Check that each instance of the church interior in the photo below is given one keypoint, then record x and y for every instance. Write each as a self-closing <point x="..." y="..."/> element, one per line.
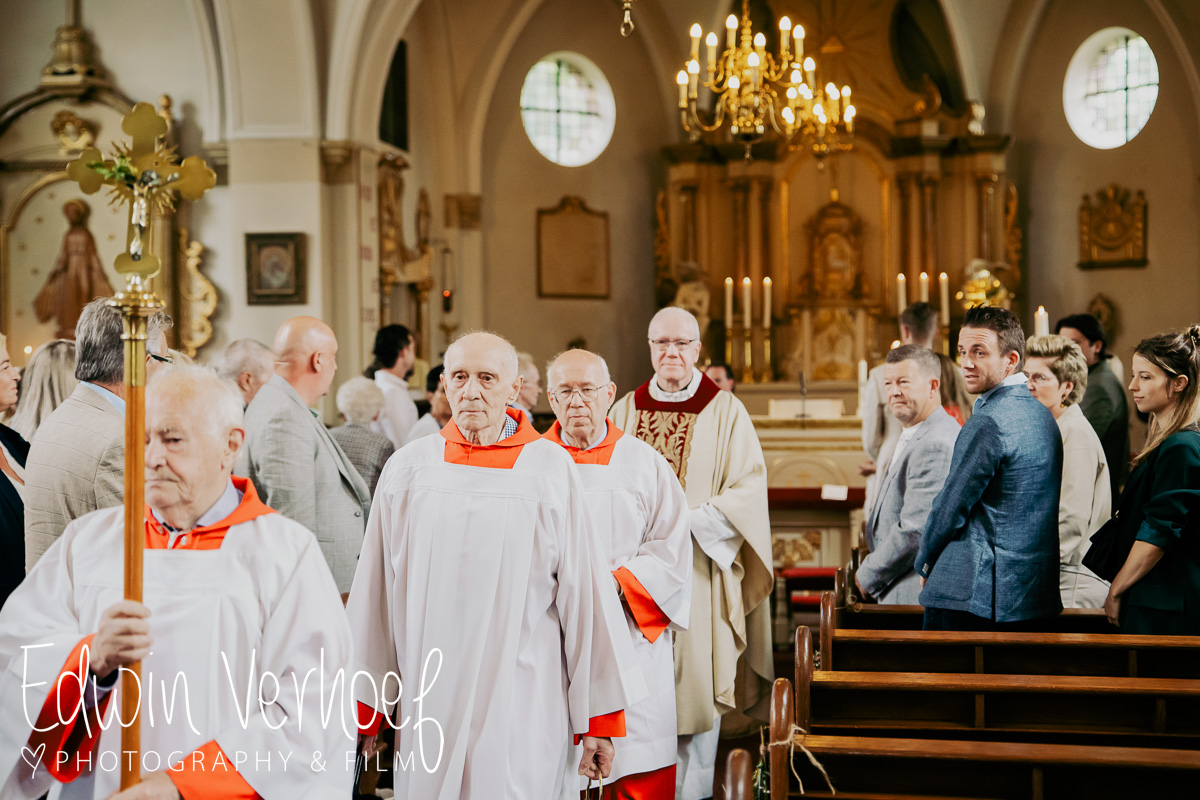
<point x="556" y="171"/>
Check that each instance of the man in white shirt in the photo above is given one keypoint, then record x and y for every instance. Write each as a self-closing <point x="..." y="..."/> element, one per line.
<point x="395" y="352"/>
<point x="439" y="407"/>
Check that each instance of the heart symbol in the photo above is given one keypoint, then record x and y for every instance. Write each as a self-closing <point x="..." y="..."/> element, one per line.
<point x="36" y="755"/>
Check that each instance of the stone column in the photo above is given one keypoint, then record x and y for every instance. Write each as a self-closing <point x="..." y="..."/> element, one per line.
<point x="929" y="242"/>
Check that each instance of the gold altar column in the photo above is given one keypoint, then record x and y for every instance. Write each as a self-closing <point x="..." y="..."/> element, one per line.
<point x="986" y="184"/>
<point x="929" y="241"/>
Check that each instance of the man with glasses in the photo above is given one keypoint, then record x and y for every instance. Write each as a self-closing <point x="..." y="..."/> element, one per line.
<point x="709" y="441"/>
<point x="639" y="512"/>
<point x="76" y="461"/>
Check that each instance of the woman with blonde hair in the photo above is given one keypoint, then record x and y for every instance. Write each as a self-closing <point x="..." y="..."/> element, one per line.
<point x="1058" y="375"/>
<point x="1158" y="588"/>
<point x="48" y="380"/>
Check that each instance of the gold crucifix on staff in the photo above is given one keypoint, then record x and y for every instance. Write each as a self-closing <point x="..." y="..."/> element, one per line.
<point x="144" y="174"/>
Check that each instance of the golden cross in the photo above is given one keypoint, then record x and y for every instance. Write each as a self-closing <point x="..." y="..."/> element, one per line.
<point x="142" y="174"/>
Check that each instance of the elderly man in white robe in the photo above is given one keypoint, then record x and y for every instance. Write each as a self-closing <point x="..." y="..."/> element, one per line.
<point x="482" y="585"/>
<point x="723" y="661"/>
<point x="237" y="601"/>
<point x="639" y="509"/>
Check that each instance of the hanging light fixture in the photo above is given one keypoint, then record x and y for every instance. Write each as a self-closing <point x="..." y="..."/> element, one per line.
<point x="756" y="91"/>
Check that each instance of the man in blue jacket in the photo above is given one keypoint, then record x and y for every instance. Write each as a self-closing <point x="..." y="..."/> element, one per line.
<point x="989" y="553"/>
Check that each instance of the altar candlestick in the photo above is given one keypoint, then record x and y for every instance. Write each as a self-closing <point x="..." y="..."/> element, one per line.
<point x="944" y="292"/>
<point x="746" y="315"/>
<point x="1041" y="322"/>
<point x="729" y="302"/>
<point x="923" y="287"/>
<point x="766" y="320"/>
<point x="901" y="294"/>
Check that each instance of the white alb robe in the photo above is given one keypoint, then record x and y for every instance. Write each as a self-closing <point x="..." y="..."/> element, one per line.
<point x="485" y="576"/>
<point x="638" y="508"/>
<point x="263" y="602"/>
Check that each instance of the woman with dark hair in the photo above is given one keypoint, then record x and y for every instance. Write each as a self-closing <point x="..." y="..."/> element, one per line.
<point x="1158" y="588"/>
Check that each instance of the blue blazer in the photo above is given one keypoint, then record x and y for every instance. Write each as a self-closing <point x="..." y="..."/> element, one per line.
<point x="990" y="545"/>
<point x="12" y="519"/>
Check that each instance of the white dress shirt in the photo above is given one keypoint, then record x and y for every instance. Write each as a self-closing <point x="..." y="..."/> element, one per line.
<point x="399" y="410"/>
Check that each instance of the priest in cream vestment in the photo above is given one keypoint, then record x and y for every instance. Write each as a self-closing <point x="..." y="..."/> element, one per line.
<point x="241" y="634"/>
<point x="723" y="662"/>
<point x="483" y="587"/>
<point x="639" y="510"/>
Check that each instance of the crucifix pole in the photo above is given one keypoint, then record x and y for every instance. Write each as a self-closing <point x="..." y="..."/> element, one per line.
<point x="145" y="174"/>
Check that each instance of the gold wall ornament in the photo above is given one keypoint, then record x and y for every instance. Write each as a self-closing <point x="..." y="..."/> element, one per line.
<point x="74" y="133"/>
<point x="1013" y="237"/>
<point x="1112" y="230"/>
<point x="198" y="298"/>
<point x="1105" y="311"/>
<point x="143" y="174"/>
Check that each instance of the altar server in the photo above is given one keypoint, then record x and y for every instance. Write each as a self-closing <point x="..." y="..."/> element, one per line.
<point x="723" y="662"/>
<point x="237" y="600"/>
<point x="482" y="585"/>
<point x="638" y="508"/>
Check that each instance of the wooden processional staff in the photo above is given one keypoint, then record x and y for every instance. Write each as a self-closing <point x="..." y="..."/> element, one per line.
<point x="144" y="174"/>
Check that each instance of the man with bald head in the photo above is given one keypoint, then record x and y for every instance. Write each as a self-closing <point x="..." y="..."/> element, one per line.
<point x="232" y="593"/>
<point x="723" y="662"/>
<point x="482" y="585"/>
<point x="639" y="511"/>
<point x="297" y="467"/>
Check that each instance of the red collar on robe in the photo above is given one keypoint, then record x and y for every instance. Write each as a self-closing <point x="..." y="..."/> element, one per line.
<point x="501" y="455"/>
<point x="210" y="536"/>
<point x="707" y="392"/>
<point x="600" y="454"/>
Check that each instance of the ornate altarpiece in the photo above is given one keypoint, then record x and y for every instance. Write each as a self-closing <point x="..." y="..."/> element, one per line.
<point x="76" y="106"/>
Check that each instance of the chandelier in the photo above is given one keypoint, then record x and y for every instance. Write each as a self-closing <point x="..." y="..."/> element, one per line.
<point x="755" y="90"/>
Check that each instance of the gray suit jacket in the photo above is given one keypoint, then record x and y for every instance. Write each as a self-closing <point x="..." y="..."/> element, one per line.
<point x="76" y="464"/>
<point x="990" y="546"/>
<point x="301" y="472"/>
<point x="906" y="492"/>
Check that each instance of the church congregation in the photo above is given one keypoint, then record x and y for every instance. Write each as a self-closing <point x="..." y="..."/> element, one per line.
<point x="462" y="399"/>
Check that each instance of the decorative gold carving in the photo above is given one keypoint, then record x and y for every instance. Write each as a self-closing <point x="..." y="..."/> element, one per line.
<point x="72" y="63"/>
<point x="1012" y="230"/>
<point x="1112" y="231"/>
<point x="670" y="433"/>
<point x="835" y="255"/>
<point x="399" y="263"/>
<point x="662" y="237"/>
<point x="73" y="132"/>
<point x="198" y="298"/>
<point x="929" y="103"/>
<point x="986" y="284"/>
<point x="1105" y="312"/>
<point x="833" y="346"/>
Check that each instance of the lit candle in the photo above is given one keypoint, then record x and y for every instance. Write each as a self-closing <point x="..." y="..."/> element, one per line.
<point x="923" y="288"/>
<point x="682" y="80"/>
<point x="696" y="33"/>
<point x="731" y="24"/>
<point x="711" y="43"/>
<point x="693" y="77"/>
<point x="785" y="34"/>
<point x="766" y="304"/>
<point x="831" y="92"/>
<point x="810" y="70"/>
<point x="760" y="45"/>
<point x="729" y="303"/>
<point x="901" y="294"/>
<point x="752" y="62"/>
<point x="798" y="33"/>
<point x="862" y="376"/>
<point x="944" y="291"/>
<point x="746" y="315"/>
<point x="1041" y="322"/>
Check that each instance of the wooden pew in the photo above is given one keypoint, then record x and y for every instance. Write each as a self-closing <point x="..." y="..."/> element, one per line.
<point x="739" y="776"/>
<point x="1028" y="707"/>
<point x="887" y="767"/>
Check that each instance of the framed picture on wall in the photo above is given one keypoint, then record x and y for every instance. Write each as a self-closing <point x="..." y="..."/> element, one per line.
<point x="275" y="269"/>
<point x="572" y="251"/>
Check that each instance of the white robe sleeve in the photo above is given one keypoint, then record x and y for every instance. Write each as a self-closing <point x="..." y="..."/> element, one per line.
<point x="663" y="563"/>
<point x="715" y="534"/>
<point x="305" y="645"/>
<point x="373" y="601"/>
<point x="602" y="672"/>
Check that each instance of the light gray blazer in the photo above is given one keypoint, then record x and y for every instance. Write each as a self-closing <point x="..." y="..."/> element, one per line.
<point x="906" y="493"/>
<point x="76" y="464"/>
<point x="301" y="472"/>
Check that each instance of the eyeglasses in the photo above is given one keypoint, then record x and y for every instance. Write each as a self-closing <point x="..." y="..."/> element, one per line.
<point x="161" y="359"/>
<point x="663" y="345"/>
<point x="1037" y="379"/>
<point x="588" y="393"/>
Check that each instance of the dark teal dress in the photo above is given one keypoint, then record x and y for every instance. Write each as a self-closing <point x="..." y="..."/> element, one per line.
<point x="1161" y="502"/>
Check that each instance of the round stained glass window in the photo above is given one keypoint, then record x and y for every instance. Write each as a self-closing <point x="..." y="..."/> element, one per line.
<point x="567" y="109"/>
<point x="1111" y="88"/>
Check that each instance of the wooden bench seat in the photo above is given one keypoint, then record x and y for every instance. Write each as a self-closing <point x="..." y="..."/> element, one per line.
<point x="860" y="765"/>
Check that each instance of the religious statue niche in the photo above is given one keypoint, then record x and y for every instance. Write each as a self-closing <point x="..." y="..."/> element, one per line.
<point x="78" y="275"/>
<point x="399" y="264"/>
<point x="692" y="294"/>
<point x="1112" y="231"/>
<point x="833" y="356"/>
<point x="835" y="273"/>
